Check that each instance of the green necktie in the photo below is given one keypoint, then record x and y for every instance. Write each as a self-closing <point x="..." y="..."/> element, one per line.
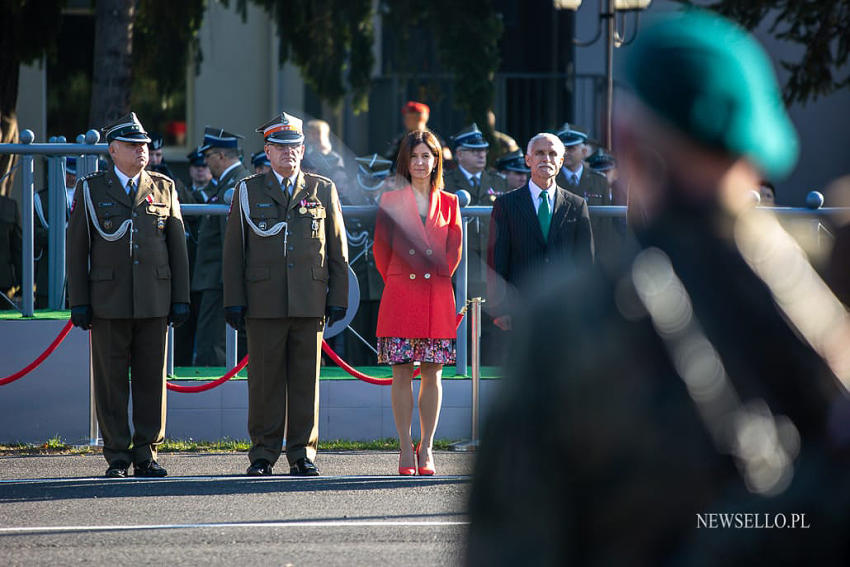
<point x="544" y="215"/>
<point x="131" y="189"/>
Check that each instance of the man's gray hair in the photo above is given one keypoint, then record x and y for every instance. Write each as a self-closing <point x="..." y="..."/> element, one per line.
<point x="559" y="145"/>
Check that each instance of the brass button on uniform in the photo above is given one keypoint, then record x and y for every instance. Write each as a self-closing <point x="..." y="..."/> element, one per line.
<point x="413" y="276"/>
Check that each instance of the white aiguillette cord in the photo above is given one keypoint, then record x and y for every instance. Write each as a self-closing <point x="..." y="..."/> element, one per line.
<point x="108" y="236"/>
<point x="273" y="231"/>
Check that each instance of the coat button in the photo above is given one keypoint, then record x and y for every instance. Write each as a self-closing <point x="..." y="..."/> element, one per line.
<point x="429" y="252"/>
<point x="290" y="265"/>
<point x="135" y="215"/>
<point x="412" y="252"/>
<point x="135" y="261"/>
<point x="413" y="276"/>
<point x="427" y="276"/>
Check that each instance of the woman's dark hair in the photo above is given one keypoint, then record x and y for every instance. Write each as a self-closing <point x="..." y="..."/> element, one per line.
<point x="410" y="141"/>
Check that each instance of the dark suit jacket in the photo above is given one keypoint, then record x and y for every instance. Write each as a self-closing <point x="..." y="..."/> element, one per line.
<point x="518" y="254"/>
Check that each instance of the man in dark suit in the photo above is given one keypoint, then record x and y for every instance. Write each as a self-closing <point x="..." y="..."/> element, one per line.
<point x="128" y="278"/>
<point x="533" y="227"/>
<point x="221" y="152"/>
<point x="718" y="393"/>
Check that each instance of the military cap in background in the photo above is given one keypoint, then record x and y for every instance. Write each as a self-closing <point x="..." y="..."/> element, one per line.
<point x="259" y="159"/>
<point x="371" y="171"/>
<point x="196" y="158"/>
<point x="572" y="135"/>
<point x="470" y="138"/>
<point x="219" y="138"/>
<point x="731" y="103"/>
<point x="602" y="161"/>
<point x="71" y="165"/>
<point x="156" y="141"/>
<point x="513" y="161"/>
<point x="126" y="129"/>
<point x="283" y="129"/>
<point x="415" y="107"/>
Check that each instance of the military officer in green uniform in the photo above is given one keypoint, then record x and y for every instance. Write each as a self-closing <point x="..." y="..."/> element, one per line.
<point x="286" y="276"/>
<point x="128" y="278"/>
<point x="221" y="151"/>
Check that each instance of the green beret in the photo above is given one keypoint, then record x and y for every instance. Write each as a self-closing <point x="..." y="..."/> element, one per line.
<point x="712" y="80"/>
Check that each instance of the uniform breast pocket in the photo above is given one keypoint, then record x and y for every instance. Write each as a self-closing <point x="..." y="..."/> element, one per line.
<point x="111" y="215"/>
<point x="313" y="222"/>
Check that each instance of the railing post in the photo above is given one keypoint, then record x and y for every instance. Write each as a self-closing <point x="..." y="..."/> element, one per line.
<point x="461" y="286"/>
<point x="28" y="248"/>
<point x="230" y="347"/>
<point x="57" y="218"/>
<point x="475" y="325"/>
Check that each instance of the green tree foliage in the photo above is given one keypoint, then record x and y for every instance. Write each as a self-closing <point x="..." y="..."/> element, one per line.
<point x="28" y="30"/>
<point x="467" y="35"/>
<point x="331" y="41"/>
<point x="820" y="27"/>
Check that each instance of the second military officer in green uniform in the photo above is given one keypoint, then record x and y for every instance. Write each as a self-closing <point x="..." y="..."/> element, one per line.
<point x="286" y="270"/>
<point x="128" y="277"/>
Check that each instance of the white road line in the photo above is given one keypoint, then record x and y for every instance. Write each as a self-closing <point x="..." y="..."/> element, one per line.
<point x="305" y="524"/>
<point x="274" y="478"/>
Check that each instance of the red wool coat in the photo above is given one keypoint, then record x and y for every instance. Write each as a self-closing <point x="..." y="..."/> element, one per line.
<point x="417" y="262"/>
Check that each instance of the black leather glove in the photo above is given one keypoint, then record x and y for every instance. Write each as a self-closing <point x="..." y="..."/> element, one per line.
<point x="179" y="314"/>
<point x="333" y="314"/>
<point x="235" y="316"/>
<point x="81" y="316"/>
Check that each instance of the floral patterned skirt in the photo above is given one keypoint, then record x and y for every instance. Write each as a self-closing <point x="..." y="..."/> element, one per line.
<point x="396" y="350"/>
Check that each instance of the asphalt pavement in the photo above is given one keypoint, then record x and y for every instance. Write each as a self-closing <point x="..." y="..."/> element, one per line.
<point x="60" y="510"/>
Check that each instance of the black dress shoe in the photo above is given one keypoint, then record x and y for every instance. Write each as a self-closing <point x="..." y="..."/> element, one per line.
<point x="260" y="467"/>
<point x="303" y="467"/>
<point x="151" y="469"/>
<point x="118" y="469"/>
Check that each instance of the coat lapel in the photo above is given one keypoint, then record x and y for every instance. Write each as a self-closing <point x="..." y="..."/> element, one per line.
<point x="116" y="190"/>
<point x="299" y="193"/>
<point x="145" y="188"/>
<point x="526" y="209"/>
<point x="274" y="190"/>
<point x="562" y="207"/>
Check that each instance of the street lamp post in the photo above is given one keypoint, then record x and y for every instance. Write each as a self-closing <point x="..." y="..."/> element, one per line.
<point x="608" y="10"/>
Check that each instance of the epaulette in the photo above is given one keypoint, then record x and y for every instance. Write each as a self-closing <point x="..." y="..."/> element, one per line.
<point x="252" y="176"/>
<point x="92" y="175"/>
<point x="317" y="176"/>
<point x="158" y="174"/>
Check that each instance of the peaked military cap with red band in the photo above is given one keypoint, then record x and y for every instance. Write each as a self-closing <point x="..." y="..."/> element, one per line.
<point x="283" y="129"/>
<point x="126" y="129"/>
<point x="415" y="107"/>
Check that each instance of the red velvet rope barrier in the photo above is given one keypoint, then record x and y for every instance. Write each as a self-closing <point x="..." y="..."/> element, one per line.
<point x="35" y="363"/>
<point x="365" y="377"/>
<point x="209" y="385"/>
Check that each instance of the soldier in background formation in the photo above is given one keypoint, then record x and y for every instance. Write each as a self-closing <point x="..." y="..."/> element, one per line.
<point x="10" y="252"/>
<point x="261" y="162"/>
<point x="415" y="117"/>
<point x="221" y="153"/>
<point x="285" y="279"/>
<point x="41" y="233"/>
<point x="128" y="278"/>
<point x="319" y="155"/>
<point x="574" y="176"/>
<point x="513" y="168"/>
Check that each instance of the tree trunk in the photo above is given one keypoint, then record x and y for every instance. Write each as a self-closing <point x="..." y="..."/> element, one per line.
<point x="113" y="54"/>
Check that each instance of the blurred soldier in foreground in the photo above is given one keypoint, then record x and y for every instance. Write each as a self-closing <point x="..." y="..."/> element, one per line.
<point x="709" y="393"/>
<point x="285" y="278"/>
<point x="128" y="278"/>
<point x="221" y="153"/>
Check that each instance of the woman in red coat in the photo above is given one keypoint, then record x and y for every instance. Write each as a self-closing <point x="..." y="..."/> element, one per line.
<point x="417" y="248"/>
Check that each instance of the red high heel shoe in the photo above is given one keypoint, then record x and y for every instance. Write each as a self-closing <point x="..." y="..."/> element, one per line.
<point x="407" y="471"/>
<point x="423" y="471"/>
